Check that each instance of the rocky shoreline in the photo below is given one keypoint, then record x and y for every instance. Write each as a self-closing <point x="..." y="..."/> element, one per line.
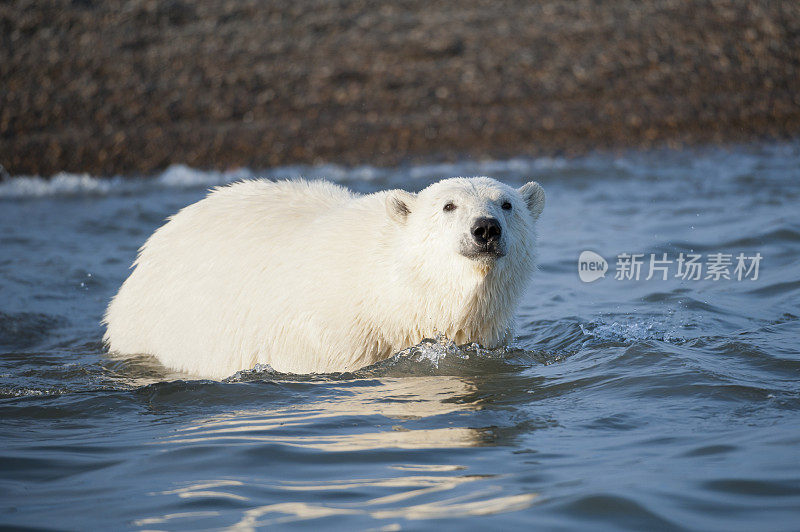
<point x="129" y="87"/>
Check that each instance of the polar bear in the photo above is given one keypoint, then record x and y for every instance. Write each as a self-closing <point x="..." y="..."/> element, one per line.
<point x="309" y="277"/>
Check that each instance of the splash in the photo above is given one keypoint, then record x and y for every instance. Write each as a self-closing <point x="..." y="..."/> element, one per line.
<point x="632" y="331"/>
<point x="259" y="371"/>
<point x="433" y="356"/>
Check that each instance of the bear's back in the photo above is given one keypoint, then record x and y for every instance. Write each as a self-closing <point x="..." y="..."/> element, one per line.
<point x="298" y="200"/>
<point x="236" y="274"/>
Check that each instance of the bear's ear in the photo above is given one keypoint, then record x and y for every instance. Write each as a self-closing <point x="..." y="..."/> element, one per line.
<point x="533" y="194"/>
<point x="398" y="204"/>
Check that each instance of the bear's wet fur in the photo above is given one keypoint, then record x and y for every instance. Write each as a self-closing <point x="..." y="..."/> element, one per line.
<point x="309" y="277"/>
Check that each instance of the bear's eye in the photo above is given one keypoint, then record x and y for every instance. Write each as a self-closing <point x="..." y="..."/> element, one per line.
<point x="449" y="206"/>
<point x="506" y="206"/>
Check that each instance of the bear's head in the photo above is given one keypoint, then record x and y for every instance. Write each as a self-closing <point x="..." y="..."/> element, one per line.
<point x="477" y="224"/>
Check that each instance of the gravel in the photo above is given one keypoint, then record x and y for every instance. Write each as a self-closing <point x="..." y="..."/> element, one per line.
<point x="129" y="87"/>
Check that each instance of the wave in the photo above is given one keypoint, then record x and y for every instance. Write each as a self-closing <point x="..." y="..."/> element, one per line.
<point x="431" y="357"/>
<point x="68" y="184"/>
<point x="179" y="176"/>
<point x="26" y="329"/>
<point x="738" y="165"/>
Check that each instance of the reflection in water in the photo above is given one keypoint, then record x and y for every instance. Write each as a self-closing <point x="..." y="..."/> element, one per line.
<point x="484" y="499"/>
<point x="425" y="484"/>
<point x="204" y="489"/>
<point x="408" y="492"/>
<point x="454" y="507"/>
<point x="395" y="399"/>
<point x="169" y="517"/>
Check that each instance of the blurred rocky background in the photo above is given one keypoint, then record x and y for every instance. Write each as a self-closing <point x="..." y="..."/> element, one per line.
<point x="130" y="87"/>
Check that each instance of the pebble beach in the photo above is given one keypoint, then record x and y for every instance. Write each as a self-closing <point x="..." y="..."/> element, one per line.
<point x="130" y="87"/>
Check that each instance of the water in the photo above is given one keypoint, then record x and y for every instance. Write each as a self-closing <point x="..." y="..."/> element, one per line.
<point x="622" y="404"/>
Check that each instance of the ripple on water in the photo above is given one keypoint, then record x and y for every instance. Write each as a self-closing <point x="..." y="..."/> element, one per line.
<point x="413" y="497"/>
<point x="24" y="330"/>
<point x="645" y="405"/>
<point x="625" y="511"/>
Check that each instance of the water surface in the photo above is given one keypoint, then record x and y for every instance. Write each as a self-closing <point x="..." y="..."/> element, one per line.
<point x="622" y="404"/>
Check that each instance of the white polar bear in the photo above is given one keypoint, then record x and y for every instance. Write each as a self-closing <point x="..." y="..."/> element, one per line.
<point x="309" y="277"/>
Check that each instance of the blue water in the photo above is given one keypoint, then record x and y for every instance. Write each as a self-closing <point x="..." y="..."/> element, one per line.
<point x="622" y="404"/>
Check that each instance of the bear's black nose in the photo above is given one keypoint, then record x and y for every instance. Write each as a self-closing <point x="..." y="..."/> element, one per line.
<point x="486" y="230"/>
